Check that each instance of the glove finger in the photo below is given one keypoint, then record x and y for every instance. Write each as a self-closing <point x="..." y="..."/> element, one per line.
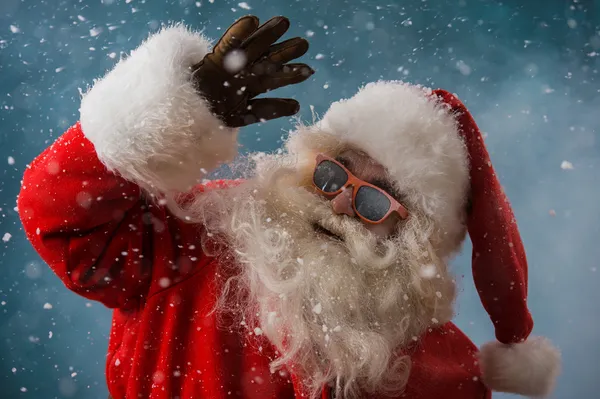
<point x="286" y="51"/>
<point x="285" y="75"/>
<point x="268" y="33"/>
<point x="264" y="109"/>
<point x="235" y="35"/>
<point x="271" y="108"/>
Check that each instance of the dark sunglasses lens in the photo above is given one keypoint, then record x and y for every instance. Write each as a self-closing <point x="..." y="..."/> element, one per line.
<point x="371" y="203"/>
<point x="329" y="177"/>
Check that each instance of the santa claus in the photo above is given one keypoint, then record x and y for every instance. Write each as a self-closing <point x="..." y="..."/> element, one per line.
<point x="324" y="273"/>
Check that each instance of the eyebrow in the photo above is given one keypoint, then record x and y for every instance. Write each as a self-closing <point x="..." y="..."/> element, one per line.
<point x="385" y="185"/>
<point x="344" y="161"/>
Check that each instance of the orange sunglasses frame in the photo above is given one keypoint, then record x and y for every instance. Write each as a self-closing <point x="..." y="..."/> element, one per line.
<point x="357" y="183"/>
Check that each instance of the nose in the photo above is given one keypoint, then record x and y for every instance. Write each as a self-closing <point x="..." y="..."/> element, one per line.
<point x="342" y="203"/>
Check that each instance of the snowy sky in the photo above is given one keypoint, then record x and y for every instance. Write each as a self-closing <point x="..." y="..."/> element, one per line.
<point x="526" y="70"/>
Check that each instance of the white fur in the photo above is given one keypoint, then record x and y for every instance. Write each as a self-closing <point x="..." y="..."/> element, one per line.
<point x="147" y="121"/>
<point x="529" y="368"/>
<point x="413" y="135"/>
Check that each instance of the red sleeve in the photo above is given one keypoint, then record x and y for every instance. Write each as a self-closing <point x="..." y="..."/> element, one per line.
<point x="92" y="227"/>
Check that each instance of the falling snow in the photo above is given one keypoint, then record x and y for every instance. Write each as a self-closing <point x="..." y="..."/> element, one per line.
<point x="566" y="165"/>
<point x="164" y="282"/>
<point x="6" y="237"/>
<point x="463" y="68"/>
<point x="428" y="271"/>
<point x="95" y="32"/>
<point x="318" y="308"/>
<point x="235" y="61"/>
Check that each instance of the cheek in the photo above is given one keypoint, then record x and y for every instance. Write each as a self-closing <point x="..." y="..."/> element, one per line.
<point x="305" y="176"/>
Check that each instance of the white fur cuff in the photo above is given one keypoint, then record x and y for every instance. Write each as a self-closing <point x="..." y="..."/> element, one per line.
<point x="147" y="121"/>
<point x="529" y="368"/>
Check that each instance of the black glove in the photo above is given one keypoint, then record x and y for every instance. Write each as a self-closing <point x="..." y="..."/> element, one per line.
<point x="245" y="63"/>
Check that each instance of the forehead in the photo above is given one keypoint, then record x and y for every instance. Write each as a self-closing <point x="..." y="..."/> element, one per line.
<point x="362" y="162"/>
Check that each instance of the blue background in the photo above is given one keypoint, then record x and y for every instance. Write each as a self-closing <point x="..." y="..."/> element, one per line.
<point x="528" y="71"/>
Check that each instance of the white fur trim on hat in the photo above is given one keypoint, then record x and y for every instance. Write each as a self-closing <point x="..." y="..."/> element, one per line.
<point x="147" y="121"/>
<point x="413" y="135"/>
<point x="529" y="368"/>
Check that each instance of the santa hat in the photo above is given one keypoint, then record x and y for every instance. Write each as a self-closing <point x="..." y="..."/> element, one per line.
<point x="435" y="154"/>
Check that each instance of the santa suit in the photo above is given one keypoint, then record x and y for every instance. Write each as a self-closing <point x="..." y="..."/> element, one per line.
<point x="93" y="223"/>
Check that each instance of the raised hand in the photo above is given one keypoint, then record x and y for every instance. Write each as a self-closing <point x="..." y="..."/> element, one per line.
<point x="245" y="63"/>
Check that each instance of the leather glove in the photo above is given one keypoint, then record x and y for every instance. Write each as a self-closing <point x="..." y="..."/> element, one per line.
<point x="245" y="63"/>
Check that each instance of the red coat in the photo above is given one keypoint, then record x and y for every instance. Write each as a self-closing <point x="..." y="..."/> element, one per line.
<point x="107" y="243"/>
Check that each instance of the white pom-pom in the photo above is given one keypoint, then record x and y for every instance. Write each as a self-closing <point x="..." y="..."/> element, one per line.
<point x="529" y="368"/>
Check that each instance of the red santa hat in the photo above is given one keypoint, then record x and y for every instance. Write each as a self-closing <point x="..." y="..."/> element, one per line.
<point x="436" y="157"/>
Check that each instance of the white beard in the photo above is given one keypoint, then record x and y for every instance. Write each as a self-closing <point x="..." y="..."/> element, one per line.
<point x="338" y="311"/>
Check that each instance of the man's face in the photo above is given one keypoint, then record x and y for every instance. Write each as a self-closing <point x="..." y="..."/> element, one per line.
<point x="365" y="168"/>
<point x="334" y="294"/>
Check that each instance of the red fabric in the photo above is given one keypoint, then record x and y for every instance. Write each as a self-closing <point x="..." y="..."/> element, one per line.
<point x="499" y="262"/>
<point x="444" y="365"/>
<point x="107" y="243"/>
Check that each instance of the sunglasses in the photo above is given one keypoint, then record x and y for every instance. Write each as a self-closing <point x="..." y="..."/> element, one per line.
<point x="371" y="203"/>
